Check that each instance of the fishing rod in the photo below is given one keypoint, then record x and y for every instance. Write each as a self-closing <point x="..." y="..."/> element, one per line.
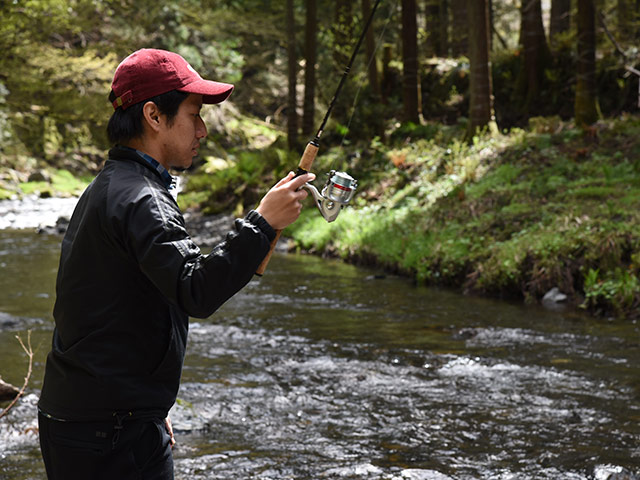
<point x="340" y="186"/>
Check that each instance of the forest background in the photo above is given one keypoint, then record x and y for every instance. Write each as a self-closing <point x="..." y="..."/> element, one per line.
<point x="495" y="142"/>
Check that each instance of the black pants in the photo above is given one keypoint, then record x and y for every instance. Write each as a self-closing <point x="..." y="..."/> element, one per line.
<point x="123" y="449"/>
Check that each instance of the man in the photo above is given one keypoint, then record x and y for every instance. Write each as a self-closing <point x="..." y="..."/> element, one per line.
<point x="130" y="276"/>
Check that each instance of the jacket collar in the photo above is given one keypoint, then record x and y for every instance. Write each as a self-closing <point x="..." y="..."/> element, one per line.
<point x="145" y="159"/>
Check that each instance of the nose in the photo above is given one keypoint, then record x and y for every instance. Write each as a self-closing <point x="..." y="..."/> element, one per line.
<point x="201" y="129"/>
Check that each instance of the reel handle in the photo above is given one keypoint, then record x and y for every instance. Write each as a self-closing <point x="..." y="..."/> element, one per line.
<point x="304" y="166"/>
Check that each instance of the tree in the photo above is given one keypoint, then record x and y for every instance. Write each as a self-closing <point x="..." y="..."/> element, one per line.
<point x="437" y="23"/>
<point x="560" y="18"/>
<point x="537" y="56"/>
<point x="480" y="85"/>
<point x="410" y="85"/>
<point x="342" y="29"/>
<point x="370" y="48"/>
<point x="310" y="55"/>
<point x="460" y="12"/>
<point x="585" y="98"/>
<point x="292" y="114"/>
<point x="624" y="19"/>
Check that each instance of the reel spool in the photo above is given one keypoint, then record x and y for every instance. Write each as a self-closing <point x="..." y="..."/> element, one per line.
<point x="336" y="193"/>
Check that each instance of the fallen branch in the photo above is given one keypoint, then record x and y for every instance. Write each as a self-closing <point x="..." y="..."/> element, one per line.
<point x="29" y="351"/>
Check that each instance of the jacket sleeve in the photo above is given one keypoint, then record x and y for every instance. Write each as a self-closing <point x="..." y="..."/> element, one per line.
<point x="169" y="258"/>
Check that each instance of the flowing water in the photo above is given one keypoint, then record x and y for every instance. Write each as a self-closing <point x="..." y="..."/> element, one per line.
<point x="324" y="370"/>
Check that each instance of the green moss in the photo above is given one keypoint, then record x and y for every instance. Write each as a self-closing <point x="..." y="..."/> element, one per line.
<point x="5" y="194"/>
<point x="61" y="182"/>
<point x="514" y="215"/>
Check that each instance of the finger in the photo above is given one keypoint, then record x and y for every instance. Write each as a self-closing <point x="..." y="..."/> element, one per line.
<point x="297" y="182"/>
<point x="284" y="180"/>
<point x="169" y="427"/>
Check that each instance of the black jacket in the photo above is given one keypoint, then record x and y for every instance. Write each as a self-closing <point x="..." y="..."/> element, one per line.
<point x="129" y="278"/>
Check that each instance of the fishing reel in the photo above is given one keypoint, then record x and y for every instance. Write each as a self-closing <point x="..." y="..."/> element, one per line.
<point x="336" y="193"/>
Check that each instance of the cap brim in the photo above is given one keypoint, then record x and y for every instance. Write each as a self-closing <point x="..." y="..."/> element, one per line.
<point x="212" y="92"/>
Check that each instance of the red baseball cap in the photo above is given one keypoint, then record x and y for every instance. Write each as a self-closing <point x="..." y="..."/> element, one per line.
<point x="150" y="72"/>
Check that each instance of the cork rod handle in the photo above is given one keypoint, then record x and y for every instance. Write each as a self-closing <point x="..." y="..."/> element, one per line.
<point x="304" y="166"/>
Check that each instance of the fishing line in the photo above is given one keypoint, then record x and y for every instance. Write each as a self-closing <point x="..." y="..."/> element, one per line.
<point x="340" y="186"/>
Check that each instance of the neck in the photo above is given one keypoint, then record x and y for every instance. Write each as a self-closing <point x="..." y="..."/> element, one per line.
<point x="149" y="148"/>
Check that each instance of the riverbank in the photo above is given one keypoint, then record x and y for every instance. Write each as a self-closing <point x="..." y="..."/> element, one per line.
<point x="517" y="215"/>
<point x="513" y="215"/>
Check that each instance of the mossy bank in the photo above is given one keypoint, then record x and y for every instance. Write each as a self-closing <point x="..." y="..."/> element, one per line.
<point x="512" y="215"/>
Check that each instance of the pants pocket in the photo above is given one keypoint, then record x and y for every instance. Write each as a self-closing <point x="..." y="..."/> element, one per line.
<point x="152" y="448"/>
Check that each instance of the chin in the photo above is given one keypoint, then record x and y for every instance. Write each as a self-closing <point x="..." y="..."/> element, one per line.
<point x="182" y="166"/>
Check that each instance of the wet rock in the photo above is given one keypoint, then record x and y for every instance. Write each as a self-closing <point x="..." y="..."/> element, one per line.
<point x="11" y="323"/>
<point x="613" y="472"/>
<point x="574" y="417"/>
<point x="39" y="176"/>
<point x="554" y="298"/>
<point x="7" y="321"/>
<point x="60" y="228"/>
<point x="418" y="474"/>
<point x="376" y="276"/>
<point x="32" y="212"/>
<point x="465" y="333"/>
<point x="186" y="418"/>
<point x="62" y="224"/>
<point x="208" y="230"/>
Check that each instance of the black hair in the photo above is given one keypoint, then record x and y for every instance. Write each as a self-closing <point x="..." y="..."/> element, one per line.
<point x="125" y="125"/>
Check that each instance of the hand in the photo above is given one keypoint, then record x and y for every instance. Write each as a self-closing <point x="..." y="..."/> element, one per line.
<point x="282" y="204"/>
<point x="169" y="427"/>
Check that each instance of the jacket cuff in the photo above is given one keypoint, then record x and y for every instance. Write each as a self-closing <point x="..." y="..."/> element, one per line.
<point x="259" y="221"/>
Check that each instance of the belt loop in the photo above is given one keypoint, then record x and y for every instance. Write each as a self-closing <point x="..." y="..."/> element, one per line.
<point x="118" y="427"/>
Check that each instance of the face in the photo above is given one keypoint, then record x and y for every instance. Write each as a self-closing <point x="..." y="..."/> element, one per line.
<point x="181" y="139"/>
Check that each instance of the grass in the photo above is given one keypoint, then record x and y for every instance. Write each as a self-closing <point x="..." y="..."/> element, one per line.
<point x="513" y="215"/>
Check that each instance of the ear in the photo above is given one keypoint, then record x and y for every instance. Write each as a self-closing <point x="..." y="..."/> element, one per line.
<point x="152" y="116"/>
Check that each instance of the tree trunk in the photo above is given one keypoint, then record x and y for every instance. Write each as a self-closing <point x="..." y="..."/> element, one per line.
<point x="390" y="76"/>
<point x="434" y="28"/>
<point x="585" y="101"/>
<point x="410" y="62"/>
<point x="460" y="26"/>
<point x="480" y="85"/>
<point x="635" y="15"/>
<point x="292" y="114"/>
<point x="370" y="47"/>
<point x="624" y="19"/>
<point x="536" y="54"/>
<point x="310" y="54"/>
<point x="560" y="18"/>
<point x="444" y="28"/>
<point x="343" y="43"/>
<point x="342" y="29"/>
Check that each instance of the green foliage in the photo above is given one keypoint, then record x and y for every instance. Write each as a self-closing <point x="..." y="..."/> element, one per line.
<point x="240" y="183"/>
<point x="619" y="291"/>
<point x="514" y="215"/>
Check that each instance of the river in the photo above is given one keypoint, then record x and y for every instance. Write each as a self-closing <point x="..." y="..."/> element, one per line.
<point x="324" y="370"/>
